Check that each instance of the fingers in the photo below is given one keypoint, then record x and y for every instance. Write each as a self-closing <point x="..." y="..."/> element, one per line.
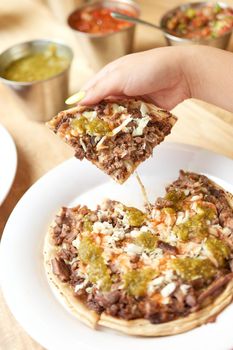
<point x="110" y="85"/>
<point x="152" y="74"/>
<point x="109" y="81"/>
<point x="130" y="75"/>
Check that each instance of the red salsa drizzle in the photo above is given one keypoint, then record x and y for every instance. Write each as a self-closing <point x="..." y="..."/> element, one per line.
<point x="98" y="20"/>
<point x="208" y="21"/>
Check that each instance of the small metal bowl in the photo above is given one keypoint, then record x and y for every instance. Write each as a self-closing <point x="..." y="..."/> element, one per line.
<point x="101" y="49"/>
<point x="42" y="98"/>
<point x="221" y="42"/>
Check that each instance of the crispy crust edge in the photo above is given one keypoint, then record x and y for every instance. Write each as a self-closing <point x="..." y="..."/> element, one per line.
<point x="62" y="291"/>
<point x="142" y="327"/>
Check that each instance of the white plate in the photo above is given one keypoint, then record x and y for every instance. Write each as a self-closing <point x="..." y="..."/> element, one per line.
<point x="22" y="274"/>
<point x="8" y="162"/>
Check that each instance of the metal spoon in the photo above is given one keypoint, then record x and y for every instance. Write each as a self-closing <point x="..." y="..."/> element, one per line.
<point x="132" y="19"/>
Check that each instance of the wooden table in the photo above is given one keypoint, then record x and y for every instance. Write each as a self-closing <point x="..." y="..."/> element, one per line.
<point x="38" y="152"/>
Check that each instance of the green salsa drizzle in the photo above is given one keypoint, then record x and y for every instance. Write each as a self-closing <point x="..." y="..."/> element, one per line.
<point x="196" y="226"/>
<point x="218" y="249"/>
<point x="37" y="66"/>
<point x="168" y="211"/>
<point x="97" y="127"/>
<point x="135" y="216"/>
<point x="94" y="127"/>
<point x="191" y="268"/>
<point x="176" y="198"/>
<point x="136" y="281"/>
<point x="147" y="240"/>
<point x="79" y="124"/>
<point x="87" y="223"/>
<point x="91" y="254"/>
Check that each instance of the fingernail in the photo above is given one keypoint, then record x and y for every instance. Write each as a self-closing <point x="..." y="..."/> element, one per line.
<point x="75" y="98"/>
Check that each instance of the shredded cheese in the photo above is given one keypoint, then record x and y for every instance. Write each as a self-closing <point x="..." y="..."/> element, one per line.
<point x="142" y="123"/>
<point x="168" y="289"/>
<point x="83" y="145"/>
<point x="90" y="115"/>
<point x="144" y="109"/>
<point x="99" y="144"/>
<point x="133" y="249"/>
<point x="121" y="126"/>
<point x="143" y="189"/>
<point x="117" y="109"/>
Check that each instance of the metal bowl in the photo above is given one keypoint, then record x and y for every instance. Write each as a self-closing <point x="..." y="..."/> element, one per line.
<point x="42" y="98"/>
<point x="221" y="42"/>
<point x="101" y="49"/>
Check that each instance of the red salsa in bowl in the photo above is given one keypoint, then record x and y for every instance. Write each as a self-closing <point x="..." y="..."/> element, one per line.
<point x="206" y="21"/>
<point x="98" y="20"/>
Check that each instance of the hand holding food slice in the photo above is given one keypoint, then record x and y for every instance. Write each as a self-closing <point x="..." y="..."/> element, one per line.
<point x="116" y="136"/>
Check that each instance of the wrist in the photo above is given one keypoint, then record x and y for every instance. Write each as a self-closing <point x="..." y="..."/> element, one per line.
<point x="189" y="60"/>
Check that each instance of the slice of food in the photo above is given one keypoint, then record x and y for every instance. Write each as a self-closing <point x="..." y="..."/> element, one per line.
<point x="115" y="136"/>
<point x="152" y="273"/>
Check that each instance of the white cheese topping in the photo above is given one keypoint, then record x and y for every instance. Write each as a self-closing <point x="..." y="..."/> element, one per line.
<point x="196" y="198"/>
<point x="89" y="289"/>
<point x="90" y="115"/>
<point x="80" y="285"/>
<point x="135" y="233"/>
<point x="142" y="123"/>
<point x="154" y="284"/>
<point x="83" y="145"/>
<point x="166" y="300"/>
<point x="226" y="231"/>
<point x="133" y="249"/>
<point x="117" y="109"/>
<point x="121" y="126"/>
<point x="98" y="146"/>
<point x="182" y="217"/>
<point x="144" y="109"/>
<point x="103" y="227"/>
<point x="156" y="253"/>
<point x="172" y="238"/>
<point x="168" y="290"/>
<point x="156" y="214"/>
<point x="76" y="242"/>
<point x="145" y="229"/>
<point x="169" y="275"/>
<point x="118" y="234"/>
<point x="210" y="255"/>
<point x="184" y="288"/>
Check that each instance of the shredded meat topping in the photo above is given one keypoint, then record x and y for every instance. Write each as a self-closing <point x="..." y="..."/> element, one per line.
<point x="124" y="239"/>
<point x="120" y="153"/>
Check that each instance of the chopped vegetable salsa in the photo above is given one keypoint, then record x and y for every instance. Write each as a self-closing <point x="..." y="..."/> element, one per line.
<point x="98" y="20"/>
<point x="204" y="22"/>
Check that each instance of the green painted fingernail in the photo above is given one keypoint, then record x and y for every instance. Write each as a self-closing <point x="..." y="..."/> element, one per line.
<point x="75" y="98"/>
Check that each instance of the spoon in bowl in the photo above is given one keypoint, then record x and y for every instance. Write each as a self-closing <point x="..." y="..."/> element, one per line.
<point x="135" y="20"/>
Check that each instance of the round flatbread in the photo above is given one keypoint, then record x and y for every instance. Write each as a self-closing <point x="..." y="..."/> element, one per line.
<point x="154" y="273"/>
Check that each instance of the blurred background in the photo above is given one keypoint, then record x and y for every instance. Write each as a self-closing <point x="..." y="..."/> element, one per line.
<point x="35" y="19"/>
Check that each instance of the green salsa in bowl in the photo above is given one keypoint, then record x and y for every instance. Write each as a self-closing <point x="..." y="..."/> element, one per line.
<point x="38" y="73"/>
<point x="36" y="66"/>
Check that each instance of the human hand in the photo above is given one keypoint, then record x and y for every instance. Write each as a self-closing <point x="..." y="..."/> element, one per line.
<point x="156" y="75"/>
<point x="167" y="76"/>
